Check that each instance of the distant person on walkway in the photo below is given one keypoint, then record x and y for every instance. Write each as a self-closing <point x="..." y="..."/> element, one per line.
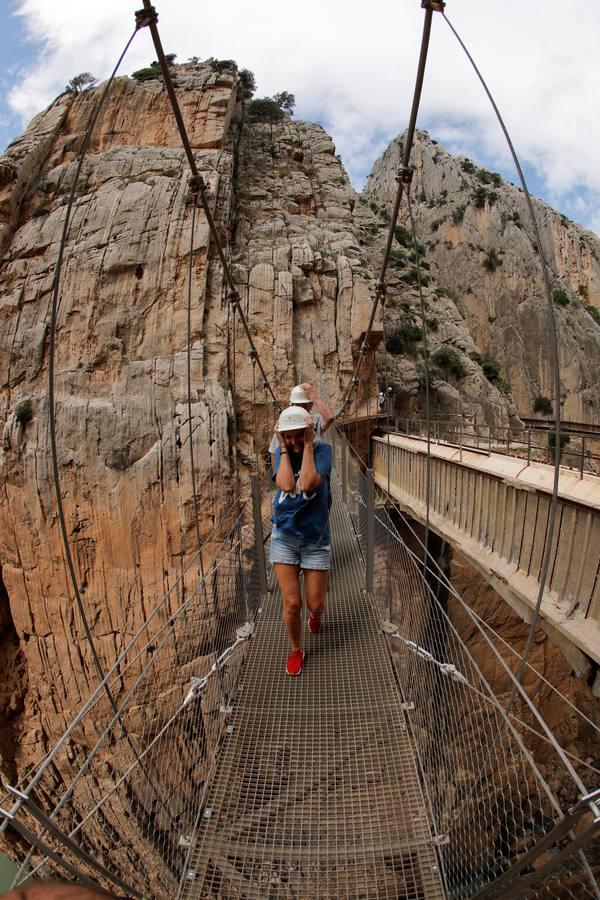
<point x="304" y="395"/>
<point x="300" y="537"/>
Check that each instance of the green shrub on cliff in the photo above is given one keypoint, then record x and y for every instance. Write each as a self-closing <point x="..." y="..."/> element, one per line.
<point x="247" y="84"/>
<point x="560" y="297"/>
<point x="449" y="361"/>
<point x="271" y="109"/>
<point x="24" y="411"/>
<point x="543" y="405"/>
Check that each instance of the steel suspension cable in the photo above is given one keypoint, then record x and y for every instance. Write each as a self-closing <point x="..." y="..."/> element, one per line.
<point x="404" y="173"/>
<point x="208" y="603"/>
<point x="52" y="403"/>
<point x="426" y="370"/>
<point x="150" y="18"/>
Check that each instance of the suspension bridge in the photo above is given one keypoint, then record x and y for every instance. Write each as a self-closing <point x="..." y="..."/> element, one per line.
<point x="195" y="769"/>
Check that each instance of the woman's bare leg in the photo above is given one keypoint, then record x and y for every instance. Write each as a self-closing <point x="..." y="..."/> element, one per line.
<point x="289" y="583"/>
<point x="315" y="588"/>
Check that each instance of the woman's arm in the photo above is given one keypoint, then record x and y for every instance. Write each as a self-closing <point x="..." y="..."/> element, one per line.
<point x="284" y="479"/>
<point x="321" y="406"/>
<point x="309" y="477"/>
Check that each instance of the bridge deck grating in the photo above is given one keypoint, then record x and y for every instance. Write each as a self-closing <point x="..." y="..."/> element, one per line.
<point x="316" y="792"/>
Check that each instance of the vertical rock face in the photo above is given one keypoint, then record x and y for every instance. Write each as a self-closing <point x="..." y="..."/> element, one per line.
<point x="401" y="358"/>
<point x="300" y="270"/>
<point x="283" y="207"/>
<point x="478" y="240"/>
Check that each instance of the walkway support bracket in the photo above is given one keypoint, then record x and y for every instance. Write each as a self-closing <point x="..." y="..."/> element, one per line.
<point x="258" y="534"/>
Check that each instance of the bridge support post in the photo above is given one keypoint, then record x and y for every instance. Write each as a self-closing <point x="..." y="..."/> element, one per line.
<point x="258" y="535"/>
<point x="370" y="536"/>
<point x="345" y="472"/>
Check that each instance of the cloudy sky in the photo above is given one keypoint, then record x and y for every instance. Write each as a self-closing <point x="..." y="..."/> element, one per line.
<point x="352" y="68"/>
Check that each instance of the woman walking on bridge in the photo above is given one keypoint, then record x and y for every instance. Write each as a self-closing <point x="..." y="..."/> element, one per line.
<point x="300" y="538"/>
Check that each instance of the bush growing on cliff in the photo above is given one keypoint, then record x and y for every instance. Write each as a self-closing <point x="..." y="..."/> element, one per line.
<point x="479" y="196"/>
<point x="403" y="236"/>
<point x="490" y="365"/>
<point x="404" y="338"/>
<point x="459" y="214"/>
<point x="223" y="65"/>
<point x="563" y="438"/>
<point x="81" y="82"/>
<point x="449" y="361"/>
<point x="397" y="259"/>
<point x="271" y="109"/>
<point x="152" y="71"/>
<point x="24" y="411"/>
<point x="560" y="297"/>
<point x="543" y="405"/>
<point x="247" y="84"/>
<point x="265" y="109"/>
<point x="492" y="260"/>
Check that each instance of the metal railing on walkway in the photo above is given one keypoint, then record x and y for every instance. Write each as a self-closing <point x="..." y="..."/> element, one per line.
<point x="580" y="450"/>
<point x="492" y="811"/>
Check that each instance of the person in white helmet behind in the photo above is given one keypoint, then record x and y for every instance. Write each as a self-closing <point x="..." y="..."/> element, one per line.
<point x="300" y="536"/>
<point x="305" y="395"/>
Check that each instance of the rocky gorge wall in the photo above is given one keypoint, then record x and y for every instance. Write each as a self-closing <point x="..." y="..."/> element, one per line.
<point x="283" y="206"/>
<point x="478" y="248"/>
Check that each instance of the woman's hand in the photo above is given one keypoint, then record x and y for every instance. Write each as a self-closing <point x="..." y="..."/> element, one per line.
<point x="279" y="435"/>
<point x="309" y="391"/>
<point x="309" y="431"/>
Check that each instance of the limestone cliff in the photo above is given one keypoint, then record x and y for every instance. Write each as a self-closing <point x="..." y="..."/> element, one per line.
<point x="283" y="207"/>
<point x="476" y="235"/>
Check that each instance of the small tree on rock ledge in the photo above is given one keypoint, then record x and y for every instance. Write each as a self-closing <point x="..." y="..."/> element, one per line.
<point x="81" y="82"/>
<point x="271" y="109"/>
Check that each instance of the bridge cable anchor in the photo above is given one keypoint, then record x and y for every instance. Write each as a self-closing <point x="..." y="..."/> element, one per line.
<point x="433" y="5"/>
<point x="405" y="175"/>
<point x="145" y="17"/>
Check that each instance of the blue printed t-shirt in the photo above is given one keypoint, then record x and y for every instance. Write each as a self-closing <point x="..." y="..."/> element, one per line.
<point x="306" y="516"/>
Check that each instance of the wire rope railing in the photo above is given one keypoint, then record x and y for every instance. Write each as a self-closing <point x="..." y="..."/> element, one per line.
<point x="171" y="690"/>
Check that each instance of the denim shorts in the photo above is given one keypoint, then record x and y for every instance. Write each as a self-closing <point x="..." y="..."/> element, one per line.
<point x="293" y="551"/>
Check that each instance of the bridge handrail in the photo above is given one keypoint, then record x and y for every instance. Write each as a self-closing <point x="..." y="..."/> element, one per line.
<point x="533" y="444"/>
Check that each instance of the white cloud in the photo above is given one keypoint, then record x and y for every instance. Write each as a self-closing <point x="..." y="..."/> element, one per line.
<point x="353" y="66"/>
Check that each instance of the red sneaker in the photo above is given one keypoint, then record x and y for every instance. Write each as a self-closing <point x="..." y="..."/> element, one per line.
<point x="294" y="663"/>
<point x="314" y="624"/>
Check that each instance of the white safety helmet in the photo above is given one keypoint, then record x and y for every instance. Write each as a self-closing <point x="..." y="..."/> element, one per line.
<point x="298" y="395"/>
<point x="292" y="418"/>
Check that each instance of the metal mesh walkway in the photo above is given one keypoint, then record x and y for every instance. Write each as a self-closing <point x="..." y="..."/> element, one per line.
<point x="316" y="792"/>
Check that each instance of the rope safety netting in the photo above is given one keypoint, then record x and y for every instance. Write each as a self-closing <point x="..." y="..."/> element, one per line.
<point x="135" y="764"/>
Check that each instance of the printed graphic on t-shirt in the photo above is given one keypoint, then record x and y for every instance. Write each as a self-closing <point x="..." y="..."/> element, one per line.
<point x="305" y="515"/>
